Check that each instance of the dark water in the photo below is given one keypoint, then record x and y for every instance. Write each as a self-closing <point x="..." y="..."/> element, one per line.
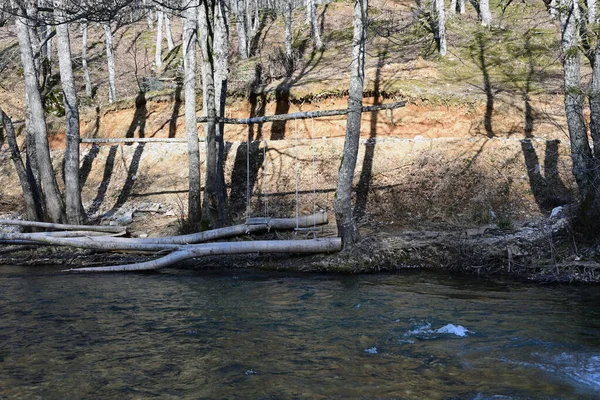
<point x="251" y="335"/>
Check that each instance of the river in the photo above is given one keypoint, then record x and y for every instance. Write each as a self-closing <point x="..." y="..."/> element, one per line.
<point x="252" y="335"/>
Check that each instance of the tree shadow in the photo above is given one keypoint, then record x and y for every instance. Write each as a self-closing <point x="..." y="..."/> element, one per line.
<point x="139" y="117"/>
<point x="487" y="87"/>
<point x="548" y="190"/>
<point x="256" y="39"/>
<point x="129" y="181"/>
<point x="90" y="156"/>
<point x="282" y="91"/>
<point x="103" y="188"/>
<point x="364" y="182"/>
<point x="248" y="160"/>
<point x="241" y="183"/>
<point x="176" y="108"/>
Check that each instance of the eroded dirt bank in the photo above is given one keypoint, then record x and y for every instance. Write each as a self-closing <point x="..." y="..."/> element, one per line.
<point x="432" y="188"/>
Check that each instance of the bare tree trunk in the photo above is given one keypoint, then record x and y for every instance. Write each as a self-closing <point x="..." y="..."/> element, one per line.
<point x="148" y="11"/>
<point x="581" y="153"/>
<point x="309" y="6"/>
<point x="452" y="10"/>
<point x="168" y="33"/>
<point x="439" y="21"/>
<point x="240" y="26"/>
<point x="212" y="206"/>
<point x="74" y="207"/>
<point x="287" y="14"/>
<point x="221" y="51"/>
<point x="461" y="6"/>
<point x="595" y="133"/>
<point x="32" y="210"/>
<point x="552" y="8"/>
<point x="314" y="27"/>
<point x="591" y="11"/>
<point x="347" y="227"/>
<point x="159" y="28"/>
<point x="486" y="16"/>
<point x="84" y="65"/>
<point x="110" y="59"/>
<point x="37" y="124"/>
<point x="189" y="15"/>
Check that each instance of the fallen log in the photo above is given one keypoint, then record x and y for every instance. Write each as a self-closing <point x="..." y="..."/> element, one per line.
<point x="171" y="243"/>
<point x="302" y="115"/>
<point x="63" y="227"/>
<point x="326" y="245"/>
<point x="91" y="243"/>
<point x="267" y="224"/>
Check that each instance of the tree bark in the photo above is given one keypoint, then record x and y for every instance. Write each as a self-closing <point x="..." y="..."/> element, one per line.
<point x="581" y="153"/>
<point x="110" y="59"/>
<point x="287" y="15"/>
<point x="84" y="64"/>
<point x="240" y="26"/>
<point x="461" y="6"/>
<point x="347" y="227"/>
<point x="314" y="27"/>
<point x="212" y="206"/>
<point x="452" y="9"/>
<point x="327" y="245"/>
<point x="32" y="208"/>
<point x="221" y="51"/>
<point x="486" y="16"/>
<point x="439" y="20"/>
<point x="591" y="11"/>
<point x="37" y="124"/>
<point x="74" y="207"/>
<point x="159" y="29"/>
<point x="189" y="43"/>
<point x="168" y="33"/>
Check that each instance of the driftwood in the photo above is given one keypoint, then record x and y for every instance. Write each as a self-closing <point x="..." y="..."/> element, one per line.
<point x="302" y="115"/>
<point x="198" y="250"/>
<point x="63" y="227"/>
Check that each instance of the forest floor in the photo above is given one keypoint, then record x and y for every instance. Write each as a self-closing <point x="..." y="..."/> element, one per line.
<point x="464" y="177"/>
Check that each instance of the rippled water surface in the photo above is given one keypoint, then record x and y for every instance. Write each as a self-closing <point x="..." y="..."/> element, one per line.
<point x="181" y="334"/>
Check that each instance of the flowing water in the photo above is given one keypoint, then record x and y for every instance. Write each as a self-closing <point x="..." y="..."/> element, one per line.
<point x="183" y="334"/>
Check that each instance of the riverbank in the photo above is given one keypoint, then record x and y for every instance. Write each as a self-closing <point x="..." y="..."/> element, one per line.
<point x="542" y="251"/>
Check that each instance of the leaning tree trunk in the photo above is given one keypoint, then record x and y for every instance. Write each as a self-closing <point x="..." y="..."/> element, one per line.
<point x="159" y="29"/>
<point x="32" y="208"/>
<point x="581" y="153"/>
<point x="36" y="122"/>
<point x="110" y="59"/>
<point x="347" y="227"/>
<point x="189" y="44"/>
<point x="74" y="207"/>
<point x="484" y="9"/>
<point x="84" y="64"/>
<point x="439" y="22"/>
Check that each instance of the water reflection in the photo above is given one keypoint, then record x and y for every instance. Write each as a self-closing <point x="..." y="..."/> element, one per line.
<point x="183" y="334"/>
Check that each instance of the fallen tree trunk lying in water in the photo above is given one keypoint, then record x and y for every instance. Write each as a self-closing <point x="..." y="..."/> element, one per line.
<point x="186" y="246"/>
<point x="186" y="252"/>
